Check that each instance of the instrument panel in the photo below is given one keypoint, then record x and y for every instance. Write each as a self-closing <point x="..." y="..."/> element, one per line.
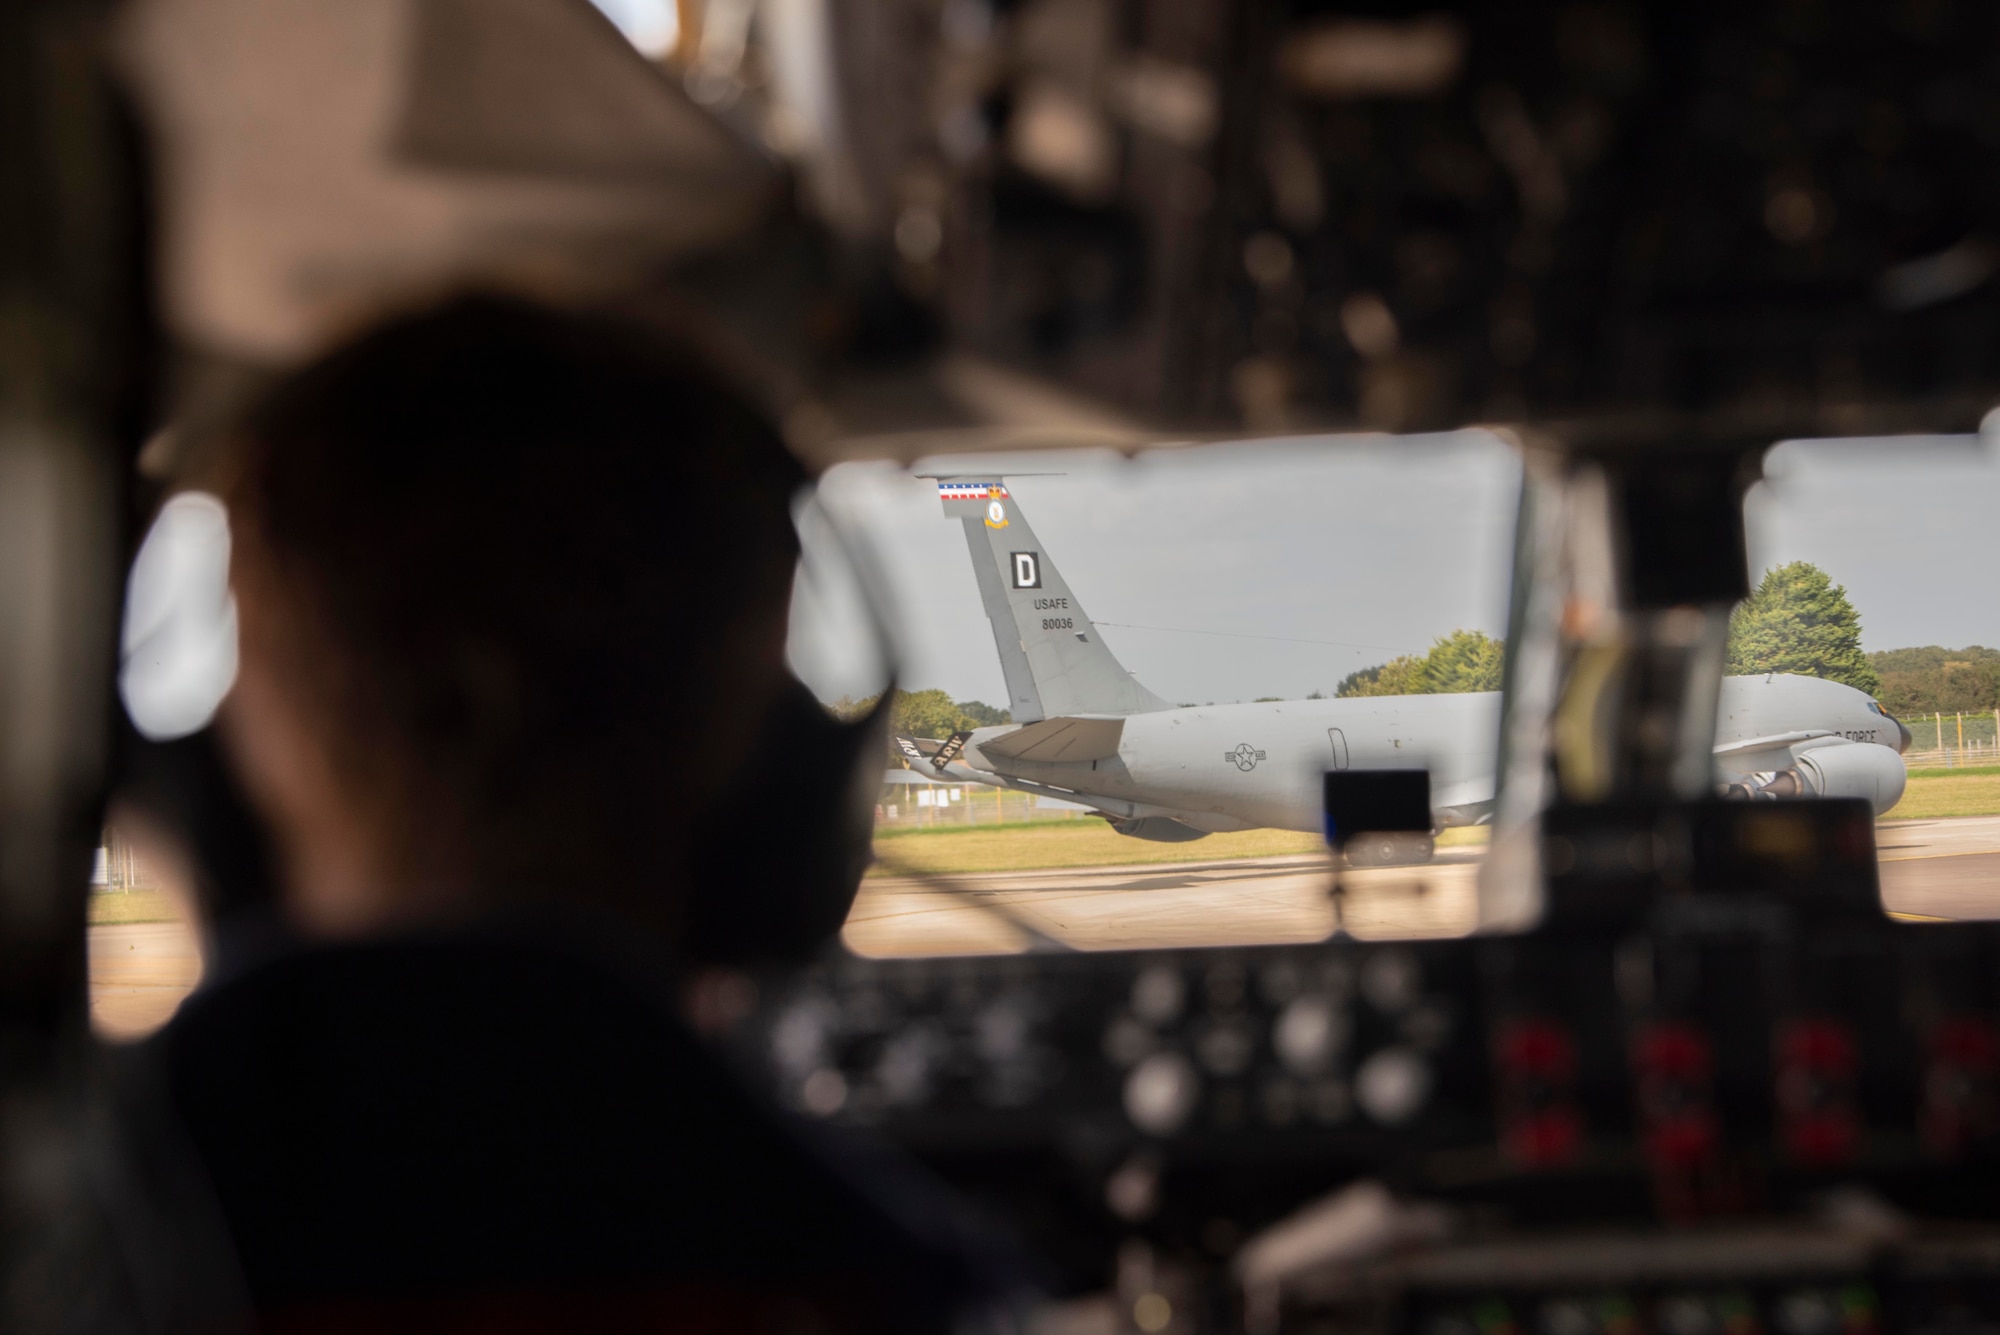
<point x="1689" y="1080"/>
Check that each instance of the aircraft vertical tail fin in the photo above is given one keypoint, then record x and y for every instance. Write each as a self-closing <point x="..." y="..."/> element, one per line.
<point x="1053" y="659"/>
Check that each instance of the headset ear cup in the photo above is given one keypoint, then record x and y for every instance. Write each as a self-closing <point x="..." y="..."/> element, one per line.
<point x="765" y="896"/>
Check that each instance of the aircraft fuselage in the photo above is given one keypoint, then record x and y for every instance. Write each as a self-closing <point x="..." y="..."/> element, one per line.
<point x="1241" y="766"/>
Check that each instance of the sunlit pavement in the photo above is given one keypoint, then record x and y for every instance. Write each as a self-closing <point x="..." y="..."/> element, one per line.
<point x="139" y="972"/>
<point x="1241" y="902"/>
<point x="1930" y="868"/>
<point x="1941" y="868"/>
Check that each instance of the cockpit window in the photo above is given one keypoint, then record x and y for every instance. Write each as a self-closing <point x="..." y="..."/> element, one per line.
<point x="1123" y="681"/>
<point x="179" y="637"/>
<point x="1871" y="562"/>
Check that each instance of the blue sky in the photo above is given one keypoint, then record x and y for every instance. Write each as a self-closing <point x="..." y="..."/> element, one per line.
<point x="1276" y="568"/>
<point x="1270" y="568"/>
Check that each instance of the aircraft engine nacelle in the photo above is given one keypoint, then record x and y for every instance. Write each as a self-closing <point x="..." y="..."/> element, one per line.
<point x="1158" y="829"/>
<point x="1849" y="769"/>
<point x="1859" y="769"/>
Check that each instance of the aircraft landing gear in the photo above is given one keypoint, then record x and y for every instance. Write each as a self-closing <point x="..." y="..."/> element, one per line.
<point x="1391" y="850"/>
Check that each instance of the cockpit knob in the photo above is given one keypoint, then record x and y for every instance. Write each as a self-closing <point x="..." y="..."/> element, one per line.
<point x="1392" y="1086"/>
<point x="1160" y="1093"/>
<point x="1309" y="1034"/>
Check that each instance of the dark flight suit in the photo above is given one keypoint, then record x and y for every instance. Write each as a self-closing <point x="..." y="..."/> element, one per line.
<point x="506" y="1130"/>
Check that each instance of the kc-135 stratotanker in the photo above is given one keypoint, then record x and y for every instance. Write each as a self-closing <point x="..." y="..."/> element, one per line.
<point x="1086" y="731"/>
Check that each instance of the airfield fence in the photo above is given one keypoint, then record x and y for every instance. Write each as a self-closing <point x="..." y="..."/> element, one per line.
<point x="959" y="806"/>
<point x="1953" y="741"/>
<point x="118" y="866"/>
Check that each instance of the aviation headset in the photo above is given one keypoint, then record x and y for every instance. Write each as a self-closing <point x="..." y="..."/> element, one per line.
<point x="754" y="900"/>
<point x="763" y="900"/>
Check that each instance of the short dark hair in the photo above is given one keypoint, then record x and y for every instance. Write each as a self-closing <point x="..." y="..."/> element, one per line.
<point x="507" y="559"/>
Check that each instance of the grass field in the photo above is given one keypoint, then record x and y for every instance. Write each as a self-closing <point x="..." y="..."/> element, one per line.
<point x="1037" y="845"/>
<point x="1932" y="794"/>
<point x="1029" y="845"/>
<point x="1937" y="793"/>
<point x="110" y="907"/>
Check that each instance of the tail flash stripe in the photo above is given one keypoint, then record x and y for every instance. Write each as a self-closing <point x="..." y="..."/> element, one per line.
<point x="970" y="491"/>
<point x="1053" y="664"/>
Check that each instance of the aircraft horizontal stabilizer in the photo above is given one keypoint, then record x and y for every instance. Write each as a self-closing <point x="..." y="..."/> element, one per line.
<point x="915" y="749"/>
<point x="1058" y="740"/>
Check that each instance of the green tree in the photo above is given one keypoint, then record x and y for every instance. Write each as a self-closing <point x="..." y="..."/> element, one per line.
<point x="1361" y="681"/>
<point x="1465" y="660"/>
<point x="929" y="714"/>
<point x="1800" y="621"/>
<point x="1931" y="678"/>
<point x="984" y="715"/>
<point x="1399" y="676"/>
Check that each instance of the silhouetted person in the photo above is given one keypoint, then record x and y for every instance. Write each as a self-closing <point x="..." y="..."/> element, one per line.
<point x="513" y="589"/>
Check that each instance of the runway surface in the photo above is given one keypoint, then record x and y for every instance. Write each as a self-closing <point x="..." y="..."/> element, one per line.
<point x="138" y="974"/>
<point x="1930" y="869"/>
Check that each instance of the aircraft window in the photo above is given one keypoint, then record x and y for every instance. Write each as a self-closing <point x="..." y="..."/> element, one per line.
<point x="840" y="642"/>
<point x="178" y="662"/>
<point x="179" y="640"/>
<point x="145" y="947"/>
<point x="1242" y="598"/>
<point x="1873" y="561"/>
<point x="1123" y="681"/>
<point x="652" y="26"/>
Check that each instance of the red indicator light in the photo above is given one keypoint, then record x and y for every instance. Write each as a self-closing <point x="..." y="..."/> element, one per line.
<point x="1538" y="1048"/>
<point x="1961" y="1089"/>
<point x="1534" y="1062"/>
<point x="1675" y="1067"/>
<point x="1818" y="1122"/>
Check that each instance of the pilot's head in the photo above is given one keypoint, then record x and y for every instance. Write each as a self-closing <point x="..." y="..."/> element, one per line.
<point x="513" y="591"/>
